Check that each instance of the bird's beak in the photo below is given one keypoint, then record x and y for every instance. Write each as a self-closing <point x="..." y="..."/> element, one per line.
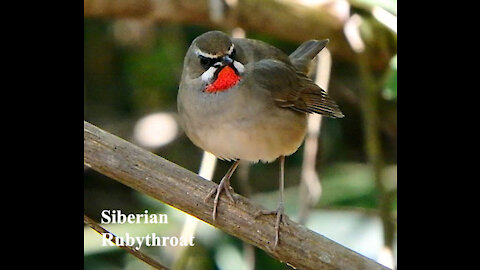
<point x="226" y="60"/>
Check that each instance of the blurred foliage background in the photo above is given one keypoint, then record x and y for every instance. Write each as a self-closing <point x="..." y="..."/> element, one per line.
<point x="131" y="73"/>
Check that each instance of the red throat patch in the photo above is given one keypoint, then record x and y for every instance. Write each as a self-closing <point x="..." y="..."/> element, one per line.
<point x="226" y="78"/>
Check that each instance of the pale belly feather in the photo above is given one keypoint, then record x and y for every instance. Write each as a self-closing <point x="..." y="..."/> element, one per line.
<point x="259" y="139"/>
<point x="231" y="126"/>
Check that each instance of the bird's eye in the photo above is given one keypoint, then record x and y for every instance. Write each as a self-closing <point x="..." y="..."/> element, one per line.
<point x="206" y="62"/>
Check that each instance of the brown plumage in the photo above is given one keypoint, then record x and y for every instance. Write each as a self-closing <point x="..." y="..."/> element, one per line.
<point x="292" y="89"/>
<point x="261" y="113"/>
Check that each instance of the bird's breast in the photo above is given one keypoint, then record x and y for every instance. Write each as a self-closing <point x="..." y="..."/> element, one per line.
<point x="242" y="124"/>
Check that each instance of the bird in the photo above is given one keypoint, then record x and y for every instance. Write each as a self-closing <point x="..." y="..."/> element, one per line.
<point x="244" y="99"/>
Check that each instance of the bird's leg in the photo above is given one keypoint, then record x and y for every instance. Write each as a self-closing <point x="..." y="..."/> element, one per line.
<point x="224" y="185"/>
<point x="279" y="211"/>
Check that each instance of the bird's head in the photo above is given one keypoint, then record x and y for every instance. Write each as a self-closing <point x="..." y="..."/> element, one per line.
<point x="216" y="55"/>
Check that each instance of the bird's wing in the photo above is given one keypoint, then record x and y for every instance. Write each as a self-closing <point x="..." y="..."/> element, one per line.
<point x="292" y="89"/>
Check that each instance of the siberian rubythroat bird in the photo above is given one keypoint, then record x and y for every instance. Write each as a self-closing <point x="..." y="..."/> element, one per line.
<point x="243" y="99"/>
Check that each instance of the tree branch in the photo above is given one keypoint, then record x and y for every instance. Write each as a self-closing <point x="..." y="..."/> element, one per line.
<point x="137" y="253"/>
<point x="184" y="190"/>
<point x="284" y="19"/>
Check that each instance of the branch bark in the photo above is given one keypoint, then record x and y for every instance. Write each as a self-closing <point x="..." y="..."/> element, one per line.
<point x="140" y="255"/>
<point x="284" y="19"/>
<point x="184" y="190"/>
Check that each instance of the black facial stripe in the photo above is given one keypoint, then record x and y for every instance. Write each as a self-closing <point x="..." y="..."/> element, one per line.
<point x="234" y="69"/>
<point x="207" y="62"/>
<point x="215" y="75"/>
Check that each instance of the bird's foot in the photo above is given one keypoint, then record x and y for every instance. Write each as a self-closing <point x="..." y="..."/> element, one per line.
<point x="224" y="185"/>
<point x="279" y="213"/>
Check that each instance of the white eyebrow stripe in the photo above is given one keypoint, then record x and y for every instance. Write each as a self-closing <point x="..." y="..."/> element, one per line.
<point x="209" y="55"/>
<point x="230" y="50"/>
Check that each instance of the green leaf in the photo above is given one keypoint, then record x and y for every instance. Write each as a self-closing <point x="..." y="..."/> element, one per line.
<point x="389" y="5"/>
<point x="390" y="90"/>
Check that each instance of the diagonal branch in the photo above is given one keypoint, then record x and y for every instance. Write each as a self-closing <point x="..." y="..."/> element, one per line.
<point x="184" y="190"/>
<point x="137" y="253"/>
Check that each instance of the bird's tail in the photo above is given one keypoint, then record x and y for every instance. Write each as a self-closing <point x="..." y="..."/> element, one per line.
<point x="303" y="55"/>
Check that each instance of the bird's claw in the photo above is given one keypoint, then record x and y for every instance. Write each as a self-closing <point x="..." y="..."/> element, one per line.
<point x="279" y="213"/>
<point x="224" y="185"/>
